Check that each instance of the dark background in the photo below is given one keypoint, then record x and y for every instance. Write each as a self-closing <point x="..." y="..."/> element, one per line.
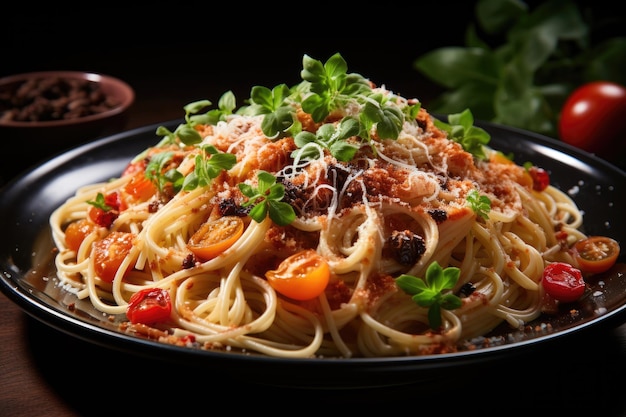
<point x="179" y="52"/>
<point x="162" y="51"/>
<point x="175" y="53"/>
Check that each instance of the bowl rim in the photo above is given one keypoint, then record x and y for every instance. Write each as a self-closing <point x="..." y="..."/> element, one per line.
<point x="126" y="94"/>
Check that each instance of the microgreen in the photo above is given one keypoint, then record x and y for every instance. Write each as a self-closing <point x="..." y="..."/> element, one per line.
<point x="479" y="203"/>
<point x="279" y="119"/>
<point x="461" y="129"/>
<point x="206" y="169"/>
<point x="329" y="138"/>
<point x="186" y="132"/>
<point x="330" y="85"/>
<point x="266" y="198"/>
<point x="378" y="112"/>
<point x="100" y="203"/>
<point x="431" y="292"/>
<point x="327" y="87"/>
<point x="225" y="106"/>
<point x="154" y="170"/>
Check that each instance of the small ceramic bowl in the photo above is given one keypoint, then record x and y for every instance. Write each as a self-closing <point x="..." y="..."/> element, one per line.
<point x="49" y="111"/>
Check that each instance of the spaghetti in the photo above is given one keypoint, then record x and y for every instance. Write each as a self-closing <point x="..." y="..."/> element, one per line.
<point x="374" y="187"/>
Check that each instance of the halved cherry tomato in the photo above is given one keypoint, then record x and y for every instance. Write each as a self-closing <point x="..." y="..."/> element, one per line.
<point x="103" y="217"/>
<point x="563" y="282"/>
<point x="596" y="254"/>
<point x="541" y="178"/>
<point x="215" y="236"/>
<point x="109" y="253"/>
<point x="149" y="306"/>
<point x="76" y="232"/>
<point x="137" y="190"/>
<point x="302" y="276"/>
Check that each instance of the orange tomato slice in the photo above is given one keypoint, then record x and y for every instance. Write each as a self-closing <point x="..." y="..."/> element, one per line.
<point x="110" y="252"/>
<point x="215" y="236"/>
<point x="76" y="232"/>
<point x="302" y="276"/>
<point x="596" y="254"/>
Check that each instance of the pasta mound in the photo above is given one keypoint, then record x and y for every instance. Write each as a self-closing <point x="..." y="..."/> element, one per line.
<point x="393" y="207"/>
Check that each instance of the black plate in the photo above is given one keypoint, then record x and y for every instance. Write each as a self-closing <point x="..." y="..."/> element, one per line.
<point x="26" y="251"/>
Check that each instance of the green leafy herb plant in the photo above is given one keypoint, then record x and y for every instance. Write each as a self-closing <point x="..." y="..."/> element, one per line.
<point x="481" y="204"/>
<point x="461" y="129"/>
<point x="266" y="199"/>
<point x="519" y="64"/>
<point x="100" y="203"/>
<point x="434" y="291"/>
<point x="327" y="88"/>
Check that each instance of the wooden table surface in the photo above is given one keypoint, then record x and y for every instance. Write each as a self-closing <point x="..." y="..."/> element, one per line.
<point x="45" y="372"/>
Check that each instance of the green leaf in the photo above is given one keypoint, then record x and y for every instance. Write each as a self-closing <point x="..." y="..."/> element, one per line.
<point x="188" y="135"/>
<point x="328" y="137"/>
<point x="480" y="204"/>
<point x="475" y="96"/>
<point x="265" y="199"/>
<point x="432" y="291"/>
<point x="452" y="67"/>
<point x="196" y="106"/>
<point x="496" y="16"/>
<point x="607" y="61"/>
<point x="461" y="129"/>
<point x="410" y="284"/>
<point x="502" y="78"/>
<point x="100" y="203"/>
<point x="281" y="213"/>
<point x="434" y="316"/>
<point x="434" y="274"/>
<point x="154" y="169"/>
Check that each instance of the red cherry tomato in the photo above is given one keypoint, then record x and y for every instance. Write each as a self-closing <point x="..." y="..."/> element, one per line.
<point x="596" y="253"/>
<point x="149" y="306"/>
<point x="593" y="118"/>
<point x="563" y="282"/>
<point x="541" y="178"/>
<point x="105" y="217"/>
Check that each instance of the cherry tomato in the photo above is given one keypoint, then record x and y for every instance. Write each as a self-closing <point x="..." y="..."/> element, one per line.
<point x="149" y="306"/>
<point x="215" y="236"/>
<point x="596" y="254"/>
<point x="76" y="232"/>
<point x="137" y="190"/>
<point x="110" y="252"/>
<point x="592" y="118"/>
<point x="103" y="217"/>
<point x="302" y="276"/>
<point x="563" y="282"/>
<point x="541" y="178"/>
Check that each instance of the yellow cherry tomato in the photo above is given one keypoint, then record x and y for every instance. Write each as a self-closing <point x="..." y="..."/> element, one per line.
<point x="215" y="236"/>
<point x="596" y="254"/>
<point x="302" y="276"/>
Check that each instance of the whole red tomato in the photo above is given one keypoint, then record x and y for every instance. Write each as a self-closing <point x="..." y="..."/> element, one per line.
<point x="593" y="118"/>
